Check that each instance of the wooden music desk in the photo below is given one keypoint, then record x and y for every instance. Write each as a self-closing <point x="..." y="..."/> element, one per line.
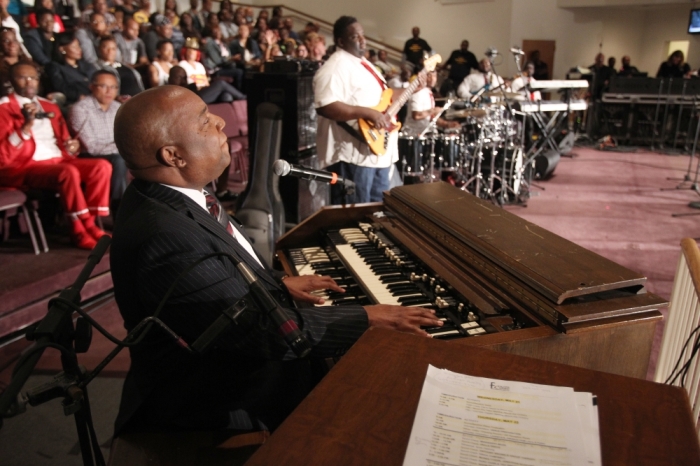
<point x="362" y="412"/>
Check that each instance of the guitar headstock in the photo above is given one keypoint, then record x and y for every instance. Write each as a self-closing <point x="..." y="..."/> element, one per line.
<point x="430" y="63"/>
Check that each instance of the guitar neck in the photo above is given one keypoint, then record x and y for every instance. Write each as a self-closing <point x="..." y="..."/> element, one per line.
<point x="397" y="104"/>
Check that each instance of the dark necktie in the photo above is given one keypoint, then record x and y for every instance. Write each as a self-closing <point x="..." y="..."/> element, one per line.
<point x="217" y="211"/>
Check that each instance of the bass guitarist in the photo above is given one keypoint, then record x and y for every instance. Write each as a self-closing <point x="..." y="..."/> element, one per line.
<point x="346" y="88"/>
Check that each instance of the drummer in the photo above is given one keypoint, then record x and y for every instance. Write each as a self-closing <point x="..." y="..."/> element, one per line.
<point x="520" y="84"/>
<point x="479" y="81"/>
<point x="422" y="110"/>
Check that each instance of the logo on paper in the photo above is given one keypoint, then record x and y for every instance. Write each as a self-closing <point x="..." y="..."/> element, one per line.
<point x="495" y="386"/>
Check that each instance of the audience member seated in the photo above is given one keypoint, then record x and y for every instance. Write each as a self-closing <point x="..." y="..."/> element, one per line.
<point x="218" y="91"/>
<point x="128" y="7"/>
<point x="245" y="50"/>
<point x="40" y="41"/>
<point x="288" y="24"/>
<point x="309" y="28"/>
<point x="143" y="14"/>
<point x="11" y="54"/>
<point x="627" y="69"/>
<point x="218" y="59"/>
<point x="99" y="6"/>
<point x="171" y="6"/>
<point x="159" y="70"/>
<point x="476" y="81"/>
<point x="92" y="122"/>
<point x="226" y="5"/>
<point x="198" y="16"/>
<point x="36" y="151"/>
<point x="187" y="27"/>
<point x="521" y="83"/>
<point x="7" y="20"/>
<point x="301" y="52"/>
<point x="90" y="37"/>
<point x="316" y="46"/>
<point x="674" y="67"/>
<point x="229" y="29"/>
<point x="162" y="29"/>
<point x="129" y="80"/>
<point x="248" y="14"/>
<point x="383" y="64"/>
<point x="45" y="5"/>
<point x="260" y="27"/>
<point x="239" y="17"/>
<point x="68" y="73"/>
<point x="131" y="47"/>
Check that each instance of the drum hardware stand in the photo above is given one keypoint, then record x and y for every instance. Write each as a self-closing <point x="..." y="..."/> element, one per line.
<point x="656" y="115"/>
<point x="686" y="178"/>
<point x="673" y="150"/>
<point x="694" y="186"/>
<point x="478" y="158"/>
<point x="432" y="129"/>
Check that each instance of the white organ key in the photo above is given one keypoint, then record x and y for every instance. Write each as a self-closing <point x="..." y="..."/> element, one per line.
<point x="378" y="291"/>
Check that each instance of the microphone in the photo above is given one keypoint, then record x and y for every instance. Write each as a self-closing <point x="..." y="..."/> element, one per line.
<point x="491" y="52"/>
<point x="283" y="168"/>
<point x="267" y="304"/>
<point x="517" y="51"/>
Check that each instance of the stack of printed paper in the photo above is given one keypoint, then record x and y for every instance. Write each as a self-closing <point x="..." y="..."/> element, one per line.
<point x="464" y="420"/>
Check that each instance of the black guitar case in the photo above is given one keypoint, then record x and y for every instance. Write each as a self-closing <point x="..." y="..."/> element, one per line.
<point x="260" y="207"/>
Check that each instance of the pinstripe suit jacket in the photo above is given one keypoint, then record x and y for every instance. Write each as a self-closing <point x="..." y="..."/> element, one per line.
<point x="160" y="232"/>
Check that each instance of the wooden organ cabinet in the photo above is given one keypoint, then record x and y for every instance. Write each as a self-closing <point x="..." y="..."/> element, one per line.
<point x="497" y="281"/>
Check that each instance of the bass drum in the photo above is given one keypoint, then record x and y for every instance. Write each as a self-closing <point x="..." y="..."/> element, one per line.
<point x="508" y="165"/>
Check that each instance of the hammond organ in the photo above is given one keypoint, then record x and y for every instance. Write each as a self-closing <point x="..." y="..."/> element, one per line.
<point x="496" y="280"/>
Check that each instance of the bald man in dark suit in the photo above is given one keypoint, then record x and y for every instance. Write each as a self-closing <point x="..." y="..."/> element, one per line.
<point x="249" y="379"/>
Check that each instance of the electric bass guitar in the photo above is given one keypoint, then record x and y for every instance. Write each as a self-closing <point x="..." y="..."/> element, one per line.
<point x="377" y="139"/>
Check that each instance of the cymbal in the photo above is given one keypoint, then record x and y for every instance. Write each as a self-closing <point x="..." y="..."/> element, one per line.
<point x="467" y="113"/>
<point x="508" y="95"/>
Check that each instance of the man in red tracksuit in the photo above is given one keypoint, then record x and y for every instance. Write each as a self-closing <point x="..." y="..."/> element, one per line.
<point x="36" y="151"/>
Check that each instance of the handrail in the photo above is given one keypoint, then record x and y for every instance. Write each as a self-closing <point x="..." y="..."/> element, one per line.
<point x="329" y="26"/>
<point x="691" y="252"/>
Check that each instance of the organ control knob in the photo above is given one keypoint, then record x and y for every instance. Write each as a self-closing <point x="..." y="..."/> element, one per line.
<point x="413" y="277"/>
<point x="425" y="277"/>
<point x="471" y="317"/>
<point x="460" y="306"/>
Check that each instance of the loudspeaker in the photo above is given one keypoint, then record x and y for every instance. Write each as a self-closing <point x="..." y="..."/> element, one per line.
<point x="294" y="94"/>
<point x="545" y="163"/>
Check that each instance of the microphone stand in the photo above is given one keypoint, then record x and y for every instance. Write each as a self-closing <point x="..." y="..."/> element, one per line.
<point x="56" y="330"/>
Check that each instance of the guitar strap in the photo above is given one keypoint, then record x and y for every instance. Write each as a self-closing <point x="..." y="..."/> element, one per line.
<point x="374" y="73"/>
<point x="353" y="132"/>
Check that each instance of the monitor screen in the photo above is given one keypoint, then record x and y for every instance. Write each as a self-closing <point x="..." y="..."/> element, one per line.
<point x="694" y="23"/>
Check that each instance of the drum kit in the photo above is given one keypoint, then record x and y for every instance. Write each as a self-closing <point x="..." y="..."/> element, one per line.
<point x="482" y="155"/>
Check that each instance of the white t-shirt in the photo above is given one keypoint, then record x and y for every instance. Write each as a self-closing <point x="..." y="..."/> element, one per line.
<point x="42" y="131"/>
<point x="195" y="74"/>
<point x="518" y="85"/>
<point x="344" y="79"/>
<point x="421" y="101"/>
<point x="475" y="81"/>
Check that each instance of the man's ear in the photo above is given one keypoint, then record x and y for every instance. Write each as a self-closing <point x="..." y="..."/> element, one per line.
<point x="170" y="157"/>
